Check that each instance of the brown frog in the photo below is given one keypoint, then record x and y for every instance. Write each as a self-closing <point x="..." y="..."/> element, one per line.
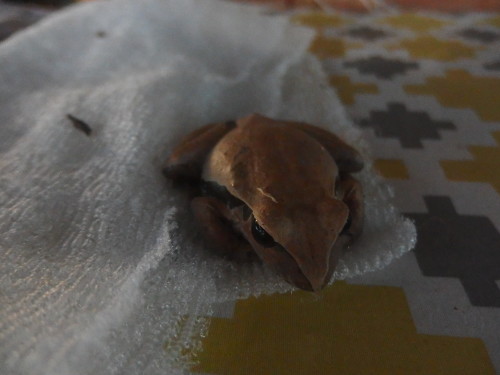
<point x="279" y="190"/>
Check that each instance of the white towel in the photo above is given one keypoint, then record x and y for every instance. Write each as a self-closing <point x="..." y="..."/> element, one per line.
<point x="98" y="259"/>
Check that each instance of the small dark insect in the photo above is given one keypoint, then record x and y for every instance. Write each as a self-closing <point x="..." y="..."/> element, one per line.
<point x="101" y="34"/>
<point x="79" y="124"/>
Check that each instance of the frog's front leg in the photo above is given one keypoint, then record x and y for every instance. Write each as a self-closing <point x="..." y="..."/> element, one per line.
<point x="186" y="160"/>
<point x="215" y="220"/>
<point x="348" y="159"/>
<point x="352" y="194"/>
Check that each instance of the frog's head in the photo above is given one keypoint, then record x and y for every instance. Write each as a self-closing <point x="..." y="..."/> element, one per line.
<point x="303" y="245"/>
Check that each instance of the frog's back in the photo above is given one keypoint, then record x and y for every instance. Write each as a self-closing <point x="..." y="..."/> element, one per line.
<point x="266" y="159"/>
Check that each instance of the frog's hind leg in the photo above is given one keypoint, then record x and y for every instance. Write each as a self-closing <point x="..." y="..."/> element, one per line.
<point x="214" y="219"/>
<point x="186" y="160"/>
<point x="350" y="191"/>
<point x="348" y="159"/>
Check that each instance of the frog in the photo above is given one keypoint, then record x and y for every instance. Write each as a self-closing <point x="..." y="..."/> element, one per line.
<point x="274" y="191"/>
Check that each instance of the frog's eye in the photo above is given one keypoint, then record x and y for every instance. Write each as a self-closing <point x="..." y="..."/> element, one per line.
<point x="261" y="236"/>
<point x="347" y="225"/>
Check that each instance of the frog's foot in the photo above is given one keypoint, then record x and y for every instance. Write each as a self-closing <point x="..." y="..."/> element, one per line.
<point x="352" y="194"/>
<point x="217" y="228"/>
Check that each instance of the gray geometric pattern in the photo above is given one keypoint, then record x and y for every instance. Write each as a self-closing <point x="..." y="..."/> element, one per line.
<point x="381" y="67"/>
<point x="367" y="33"/>
<point x="409" y="127"/>
<point x="459" y="249"/>
<point x="493" y="65"/>
<point x="463" y="246"/>
<point x="485" y="36"/>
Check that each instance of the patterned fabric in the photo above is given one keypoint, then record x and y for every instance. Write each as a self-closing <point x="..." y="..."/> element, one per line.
<point x="370" y="5"/>
<point x="425" y="89"/>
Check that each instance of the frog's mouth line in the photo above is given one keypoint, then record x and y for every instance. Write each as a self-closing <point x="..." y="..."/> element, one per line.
<point x="213" y="189"/>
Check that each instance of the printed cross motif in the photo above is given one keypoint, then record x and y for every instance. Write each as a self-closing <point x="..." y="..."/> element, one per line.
<point x="493" y="66"/>
<point x="414" y="22"/>
<point x="429" y="47"/>
<point x="461" y="246"/>
<point x="407" y="126"/>
<point x="381" y="67"/>
<point x="481" y="35"/>
<point x="320" y="20"/>
<point x="324" y="47"/>
<point x="347" y="89"/>
<point x="350" y="329"/>
<point x="460" y="89"/>
<point x="367" y="33"/>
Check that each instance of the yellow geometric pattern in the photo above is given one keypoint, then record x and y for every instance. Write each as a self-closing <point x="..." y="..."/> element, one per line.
<point x="346" y="89"/>
<point x="320" y="20"/>
<point x="428" y="47"/>
<point x="391" y="168"/>
<point x="327" y="47"/>
<point x="414" y="22"/>
<point x="495" y="21"/>
<point x="484" y="168"/>
<point x="345" y="330"/>
<point x="460" y="89"/>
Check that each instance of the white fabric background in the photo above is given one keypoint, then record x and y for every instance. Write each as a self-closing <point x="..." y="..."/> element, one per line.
<point x="98" y="261"/>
